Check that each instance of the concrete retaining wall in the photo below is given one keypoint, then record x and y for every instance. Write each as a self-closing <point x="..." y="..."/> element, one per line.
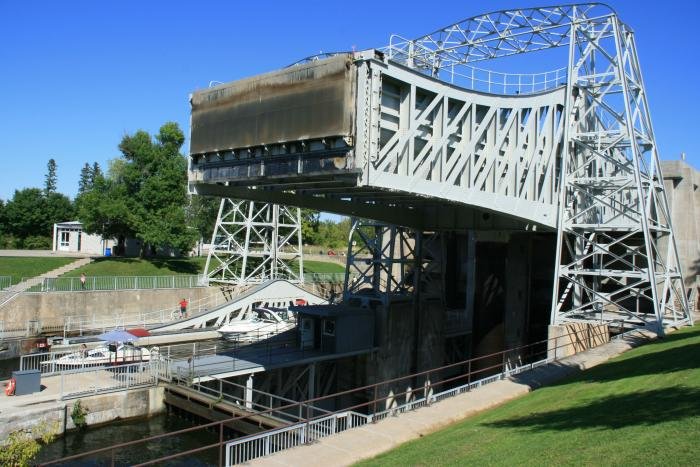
<point x="573" y="338"/>
<point x="102" y="408"/>
<point x="55" y="306"/>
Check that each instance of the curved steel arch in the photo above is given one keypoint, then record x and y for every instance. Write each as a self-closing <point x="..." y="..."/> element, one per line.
<point x="497" y="34"/>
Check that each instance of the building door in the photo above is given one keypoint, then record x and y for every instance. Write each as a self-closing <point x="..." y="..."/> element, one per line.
<point x="307" y="333"/>
<point x="64" y="244"/>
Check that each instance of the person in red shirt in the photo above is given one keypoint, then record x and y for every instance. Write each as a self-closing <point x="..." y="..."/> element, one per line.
<point x="183" y="308"/>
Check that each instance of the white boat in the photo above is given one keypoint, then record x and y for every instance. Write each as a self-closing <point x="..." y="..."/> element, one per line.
<point x="262" y="323"/>
<point x="102" y="355"/>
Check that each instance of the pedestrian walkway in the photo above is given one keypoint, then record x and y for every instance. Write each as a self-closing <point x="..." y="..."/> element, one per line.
<point x="17" y="289"/>
<point x="351" y="446"/>
<point x="45" y="253"/>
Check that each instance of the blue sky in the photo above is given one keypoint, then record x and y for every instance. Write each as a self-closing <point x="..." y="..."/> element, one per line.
<point x="76" y="76"/>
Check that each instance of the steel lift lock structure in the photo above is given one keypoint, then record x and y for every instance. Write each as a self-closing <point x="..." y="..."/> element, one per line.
<point x="422" y="136"/>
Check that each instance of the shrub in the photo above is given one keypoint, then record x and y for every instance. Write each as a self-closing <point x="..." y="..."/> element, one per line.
<point x="79" y="414"/>
<point x="20" y="447"/>
<point x="37" y="243"/>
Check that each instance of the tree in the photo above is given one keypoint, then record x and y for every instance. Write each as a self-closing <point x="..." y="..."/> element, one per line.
<point x="31" y="215"/>
<point x="59" y="208"/>
<point x="106" y="209"/>
<point x="86" y="179"/>
<point x="95" y="172"/>
<point x="3" y="227"/>
<point x="26" y="213"/>
<point x="309" y="225"/>
<point x="144" y="194"/>
<point x="201" y="214"/>
<point x="50" y="178"/>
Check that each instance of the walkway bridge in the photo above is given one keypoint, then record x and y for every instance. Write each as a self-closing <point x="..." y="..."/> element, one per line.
<point x="415" y="135"/>
<point x="276" y="293"/>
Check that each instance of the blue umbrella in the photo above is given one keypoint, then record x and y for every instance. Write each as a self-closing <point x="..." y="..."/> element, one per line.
<point x="117" y="336"/>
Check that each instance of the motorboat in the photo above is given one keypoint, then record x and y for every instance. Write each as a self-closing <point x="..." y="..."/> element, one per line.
<point x="104" y="355"/>
<point x="261" y="323"/>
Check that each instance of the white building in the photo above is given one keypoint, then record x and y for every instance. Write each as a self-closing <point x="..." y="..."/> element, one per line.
<point x="69" y="236"/>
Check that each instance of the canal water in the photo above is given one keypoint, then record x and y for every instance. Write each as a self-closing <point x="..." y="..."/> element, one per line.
<point x="76" y="442"/>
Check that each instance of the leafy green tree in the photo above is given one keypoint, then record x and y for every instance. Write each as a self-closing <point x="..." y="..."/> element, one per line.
<point x="3" y="227"/>
<point x="201" y="214"/>
<point x="51" y="178"/>
<point x="144" y="194"/>
<point x="59" y="208"/>
<point x="106" y="209"/>
<point x="30" y="215"/>
<point x="309" y="225"/>
<point x="26" y="213"/>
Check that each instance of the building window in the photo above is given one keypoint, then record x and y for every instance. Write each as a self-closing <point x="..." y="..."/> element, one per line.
<point x="328" y="327"/>
<point x="65" y="238"/>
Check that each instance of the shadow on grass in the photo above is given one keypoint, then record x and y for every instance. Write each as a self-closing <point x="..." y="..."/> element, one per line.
<point x="663" y="362"/>
<point x="178" y="265"/>
<point x="182" y="266"/>
<point x="640" y="408"/>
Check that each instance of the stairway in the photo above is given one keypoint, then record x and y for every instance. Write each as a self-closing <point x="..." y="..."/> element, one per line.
<point x="8" y="295"/>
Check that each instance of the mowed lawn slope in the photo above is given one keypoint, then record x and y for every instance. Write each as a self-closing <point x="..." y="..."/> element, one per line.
<point x="642" y="408"/>
<point x="169" y="266"/>
<point x="19" y="267"/>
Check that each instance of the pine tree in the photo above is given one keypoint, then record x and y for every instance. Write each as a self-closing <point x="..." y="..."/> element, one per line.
<point x="85" y="182"/>
<point x="50" y="179"/>
<point x="96" y="172"/>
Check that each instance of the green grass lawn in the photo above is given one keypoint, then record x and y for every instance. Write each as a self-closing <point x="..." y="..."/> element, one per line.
<point x="641" y="408"/>
<point x="141" y="267"/>
<point x="19" y="267"/>
<point x="169" y="266"/>
<point x="321" y="267"/>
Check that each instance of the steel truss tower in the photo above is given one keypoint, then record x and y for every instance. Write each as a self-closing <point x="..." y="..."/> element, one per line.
<point x="617" y="260"/>
<point x="617" y="256"/>
<point x="254" y="242"/>
<point x="388" y="263"/>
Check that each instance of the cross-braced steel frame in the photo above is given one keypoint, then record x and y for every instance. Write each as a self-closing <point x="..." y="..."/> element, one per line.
<point x="254" y="242"/>
<point x="389" y="263"/>
<point x="617" y="260"/>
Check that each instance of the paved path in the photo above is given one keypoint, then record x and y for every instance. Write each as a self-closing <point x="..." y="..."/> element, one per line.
<point x="368" y="441"/>
<point x="44" y="253"/>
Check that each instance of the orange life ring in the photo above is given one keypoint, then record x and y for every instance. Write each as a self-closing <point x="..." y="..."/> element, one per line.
<point x="10" y="388"/>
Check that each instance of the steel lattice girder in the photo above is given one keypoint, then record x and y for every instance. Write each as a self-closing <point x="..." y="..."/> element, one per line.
<point x="255" y="242"/>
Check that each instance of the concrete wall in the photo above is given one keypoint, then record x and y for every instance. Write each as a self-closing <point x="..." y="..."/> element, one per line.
<point x="682" y="184"/>
<point x="101" y="408"/>
<point x="572" y="338"/>
<point x="56" y="306"/>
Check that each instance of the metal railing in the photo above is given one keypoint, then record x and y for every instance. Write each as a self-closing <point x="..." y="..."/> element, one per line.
<point x="106" y="283"/>
<point x="264" y="444"/>
<point x="413" y="54"/>
<point x="253" y="400"/>
<point x="84" y="382"/>
<point x="421" y="390"/>
<point x="101" y="283"/>
<point x="46" y="362"/>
